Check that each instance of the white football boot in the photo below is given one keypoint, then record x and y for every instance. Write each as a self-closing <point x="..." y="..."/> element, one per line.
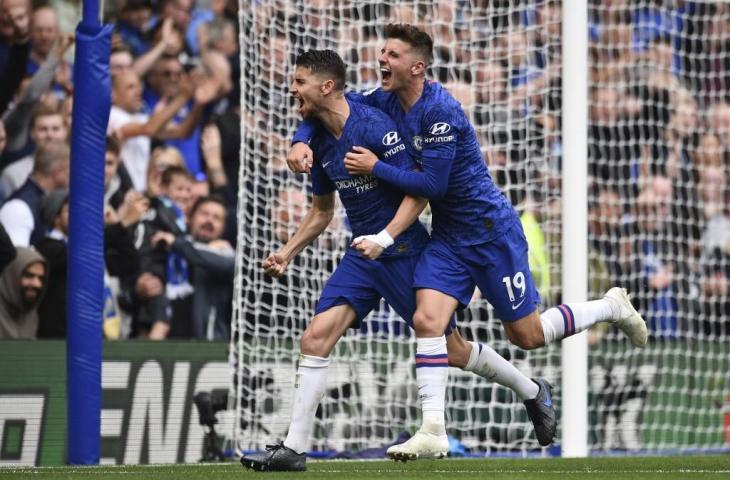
<point x="626" y="317"/>
<point x="423" y="444"/>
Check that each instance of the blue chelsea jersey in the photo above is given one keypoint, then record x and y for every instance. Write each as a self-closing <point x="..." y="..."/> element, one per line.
<point x="468" y="208"/>
<point x="370" y="203"/>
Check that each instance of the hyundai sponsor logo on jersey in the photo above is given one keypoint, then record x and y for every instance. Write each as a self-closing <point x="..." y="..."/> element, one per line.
<point x="391" y="138"/>
<point x="440" y="128"/>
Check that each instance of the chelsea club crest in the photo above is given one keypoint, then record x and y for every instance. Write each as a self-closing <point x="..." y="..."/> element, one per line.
<point x="418" y="143"/>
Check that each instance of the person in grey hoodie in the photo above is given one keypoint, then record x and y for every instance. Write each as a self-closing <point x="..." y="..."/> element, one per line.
<point x="22" y="285"/>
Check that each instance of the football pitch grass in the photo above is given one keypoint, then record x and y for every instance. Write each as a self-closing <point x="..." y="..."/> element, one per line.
<point x="609" y="468"/>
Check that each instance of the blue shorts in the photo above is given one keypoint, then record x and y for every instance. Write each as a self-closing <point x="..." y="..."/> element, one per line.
<point x="499" y="268"/>
<point x="361" y="283"/>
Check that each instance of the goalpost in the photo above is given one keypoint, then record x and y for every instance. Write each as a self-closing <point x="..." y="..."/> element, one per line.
<point x="649" y="211"/>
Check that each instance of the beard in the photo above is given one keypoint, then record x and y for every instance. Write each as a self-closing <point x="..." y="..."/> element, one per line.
<point x="205" y="232"/>
<point x="30" y="295"/>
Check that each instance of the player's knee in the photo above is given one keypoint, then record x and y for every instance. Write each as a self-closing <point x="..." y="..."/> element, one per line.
<point x="313" y="343"/>
<point x="526" y="340"/>
<point x="426" y="324"/>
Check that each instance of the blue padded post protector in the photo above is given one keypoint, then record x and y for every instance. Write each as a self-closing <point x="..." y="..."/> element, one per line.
<point x="92" y="102"/>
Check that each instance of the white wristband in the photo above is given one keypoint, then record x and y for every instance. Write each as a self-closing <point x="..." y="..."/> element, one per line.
<point x="383" y="239"/>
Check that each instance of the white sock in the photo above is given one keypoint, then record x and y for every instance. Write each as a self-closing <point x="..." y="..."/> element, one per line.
<point x="432" y="373"/>
<point x="309" y="388"/>
<point x="487" y="363"/>
<point x="568" y="319"/>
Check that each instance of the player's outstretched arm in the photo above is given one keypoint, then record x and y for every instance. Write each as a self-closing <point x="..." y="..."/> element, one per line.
<point x="372" y="246"/>
<point x="432" y="182"/>
<point x="314" y="223"/>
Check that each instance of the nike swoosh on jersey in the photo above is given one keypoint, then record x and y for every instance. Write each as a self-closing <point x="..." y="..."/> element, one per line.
<point x="325" y="164"/>
<point x="515" y="307"/>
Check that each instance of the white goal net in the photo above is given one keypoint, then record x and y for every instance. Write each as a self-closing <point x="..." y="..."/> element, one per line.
<point x="658" y="218"/>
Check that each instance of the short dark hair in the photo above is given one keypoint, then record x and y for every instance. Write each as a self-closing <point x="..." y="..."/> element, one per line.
<point x="170" y="172"/>
<point x="419" y="40"/>
<point x="112" y="145"/>
<point x="208" y="199"/>
<point x="324" y="62"/>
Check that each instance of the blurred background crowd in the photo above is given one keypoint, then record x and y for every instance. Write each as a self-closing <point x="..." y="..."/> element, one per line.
<point x="658" y="160"/>
<point x="172" y="138"/>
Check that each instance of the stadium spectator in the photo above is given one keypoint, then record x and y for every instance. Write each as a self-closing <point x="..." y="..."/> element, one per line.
<point x="119" y="254"/>
<point x="167" y="213"/>
<point x="161" y="159"/>
<point x="116" y="179"/>
<point x="183" y="132"/>
<point x="220" y="35"/>
<point x="216" y="168"/>
<point x="612" y="140"/>
<point x="167" y="41"/>
<point x="120" y="60"/>
<point x="162" y="80"/>
<point x="122" y="263"/>
<point x="52" y="309"/>
<point x="187" y="18"/>
<point x="288" y="211"/>
<point x="172" y="43"/>
<point x="69" y="13"/>
<point x="20" y="214"/>
<point x="7" y="249"/>
<point x="712" y="62"/>
<point x="133" y="128"/>
<point x="718" y="122"/>
<point x="149" y="308"/>
<point x="46" y="126"/>
<point x="363" y="55"/>
<point x="22" y="285"/>
<point x="212" y="149"/>
<point x="216" y="69"/>
<point x="715" y="293"/>
<point x="211" y="261"/>
<point x="19" y="117"/>
<point x="605" y="232"/>
<point x="655" y="270"/>
<point x="133" y="25"/>
<point x="714" y="257"/>
<point x="14" y="46"/>
<point x="43" y="35"/>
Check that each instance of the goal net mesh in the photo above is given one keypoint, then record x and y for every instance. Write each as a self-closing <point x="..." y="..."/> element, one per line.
<point x="659" y="129"/>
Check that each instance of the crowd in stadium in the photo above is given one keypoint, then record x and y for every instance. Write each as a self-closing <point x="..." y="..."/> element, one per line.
<point x="659" y="148"/>
<point x="169" y="205"/>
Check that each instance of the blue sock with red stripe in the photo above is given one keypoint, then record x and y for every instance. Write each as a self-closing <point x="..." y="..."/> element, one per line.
<point x="432" y="373"/>
<point x="570" y="318"/>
